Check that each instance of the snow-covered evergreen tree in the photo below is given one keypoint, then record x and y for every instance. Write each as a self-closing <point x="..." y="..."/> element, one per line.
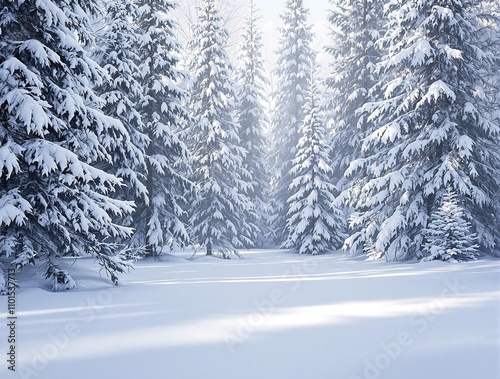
<point x="221" y="213"/>
<point x="292" y="72"/>
<point x="252" y="117"/>
<point x="434" y="130"/>
<point x="355" y="28"/>
<point x="116" y="53"/>
<point x="162" y="219"/>
<point x="54" y="199"/>
<point x="489" y="39"/>
<point x="314" y="225"/>
<point x="448" y="235"/>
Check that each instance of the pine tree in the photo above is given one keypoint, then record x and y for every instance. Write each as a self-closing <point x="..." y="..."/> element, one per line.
<point x="221" y="208"/>
<point x="116" y="53"/>
<point x="162" y="220"/>
<point x="356" y="26"/>
<point x="434" y="129"/>
<point x="55" y="200"/>
<point x="314" y="225"/>
<point x="448" y="235"/>
<point x="252" y="118"/>
<point x="293" y="68"/>
<point x="488" y="37"/>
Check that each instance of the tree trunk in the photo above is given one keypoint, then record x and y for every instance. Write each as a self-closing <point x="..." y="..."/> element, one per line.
<point x="149" y="207"/>
<point x="209" y="248"/>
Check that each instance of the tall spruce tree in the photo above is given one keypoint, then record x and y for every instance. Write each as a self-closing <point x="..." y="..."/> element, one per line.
<point x="434" y="130"/>
<point x="292" y="74"/>
<point x="116" y="53"/>
<point x="55" y="201"/>
<point x="252" y="118"/>
<point x="314" y="224"/>
<point x="220" y="217"/>
<point x="489" y="39"/>
<point x="162" y="220"/>
<point x="355" y="28"/>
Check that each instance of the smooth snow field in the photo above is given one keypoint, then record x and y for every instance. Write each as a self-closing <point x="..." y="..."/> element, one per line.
<point x="271" y="315"/>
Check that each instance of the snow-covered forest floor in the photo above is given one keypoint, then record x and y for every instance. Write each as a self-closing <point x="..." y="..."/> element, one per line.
<point x="270" y="315"/>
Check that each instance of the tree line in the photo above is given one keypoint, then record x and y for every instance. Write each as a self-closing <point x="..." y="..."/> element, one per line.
<point x="110" y="149"/>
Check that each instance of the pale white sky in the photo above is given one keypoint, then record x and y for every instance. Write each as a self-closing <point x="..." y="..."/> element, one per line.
<point x="271" y="9"/>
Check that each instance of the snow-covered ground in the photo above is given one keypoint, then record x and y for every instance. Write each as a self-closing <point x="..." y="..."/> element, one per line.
<point x="271" y="315"/>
